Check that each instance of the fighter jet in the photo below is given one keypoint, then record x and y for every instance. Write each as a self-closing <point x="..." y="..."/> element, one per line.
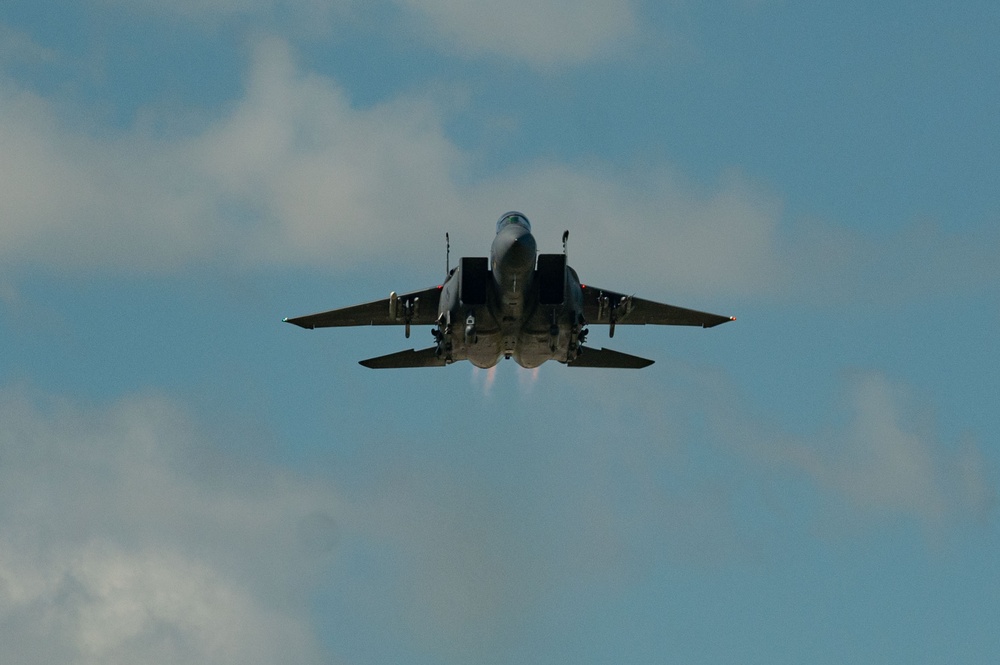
<point x="515" y="304"/>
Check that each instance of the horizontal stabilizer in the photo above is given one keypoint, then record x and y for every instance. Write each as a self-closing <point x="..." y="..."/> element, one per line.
<point x="422" y="358"/>
<point x="607" y="358"/>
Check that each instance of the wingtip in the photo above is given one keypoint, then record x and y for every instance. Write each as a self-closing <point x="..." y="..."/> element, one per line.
<point x="718" y="321"/>
<point x="298" y="322"/>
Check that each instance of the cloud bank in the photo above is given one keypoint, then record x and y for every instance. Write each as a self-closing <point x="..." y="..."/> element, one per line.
<point x="294" y="174"/>
<point x="554" y="32"/>
<point x="889" y="459"/>
<point x="539" y="33"/>
<point x="128" y="534"/>
<point x="884" y="459"/>
<point x="123" y="541"/>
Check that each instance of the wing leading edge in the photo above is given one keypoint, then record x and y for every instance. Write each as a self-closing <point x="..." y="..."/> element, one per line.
<point x="598" y="305"/>
<point x="420" y="307"/>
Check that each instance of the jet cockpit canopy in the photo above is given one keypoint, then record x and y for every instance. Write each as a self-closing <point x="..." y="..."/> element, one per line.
<point x="513" y="217"/>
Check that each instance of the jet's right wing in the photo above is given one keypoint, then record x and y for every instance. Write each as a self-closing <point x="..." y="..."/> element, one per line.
<point x="609" y="359"/>
<point x="422" y="307"/>
<point x="598" y="305"/>
<point x="423" y="358"/>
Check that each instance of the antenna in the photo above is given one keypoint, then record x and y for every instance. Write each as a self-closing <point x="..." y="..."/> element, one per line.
<point x="565" y="240"/>
<point x="447" y="255"/>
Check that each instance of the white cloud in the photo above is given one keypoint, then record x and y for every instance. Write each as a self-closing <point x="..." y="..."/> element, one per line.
<point x="920" y="260"/>
<point x="119" y="543"/>
<point x="101" y="604"/>
<point x="463" y="568"/>
<point x="540" y="33"/>
<point x="194" y="8"/>
<point x="336" y="185"/>
<point x="884" y="459"/>
<point x="71" y="200"/>
<point x="331" y="184"/>
<point x="664" y="230"/>
<point x="687" y="470"/>
<point x="19" y="47"/>
<point x="890" y="459"/>
<point x="213" y="13"/>
<point x="294" y="174"/>
<point x="545" y="33"/>
<point x="128" y="536"/>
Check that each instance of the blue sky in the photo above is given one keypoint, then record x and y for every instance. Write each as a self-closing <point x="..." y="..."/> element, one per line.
<point x="185" y="479"/>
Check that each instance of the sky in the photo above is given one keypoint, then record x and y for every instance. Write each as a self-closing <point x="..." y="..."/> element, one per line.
<point x="186" y="479"/>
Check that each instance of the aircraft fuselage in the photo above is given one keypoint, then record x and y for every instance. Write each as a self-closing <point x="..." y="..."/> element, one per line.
<point x="515" y="303"/>
<point x="512" y="307"/>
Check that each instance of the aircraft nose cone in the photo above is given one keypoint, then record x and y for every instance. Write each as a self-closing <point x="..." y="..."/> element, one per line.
<point x="513" y="253"/>
<point x="520" y="255"/>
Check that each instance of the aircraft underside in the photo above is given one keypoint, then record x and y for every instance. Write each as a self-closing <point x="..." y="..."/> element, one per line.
<point x="527" y="348"/>
<point x="516" y="304"/>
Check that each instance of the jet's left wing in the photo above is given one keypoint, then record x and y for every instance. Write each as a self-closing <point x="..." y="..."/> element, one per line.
<point x="418" y="308"/>
<point x="607" y="358"/>
<point x="603" y="306"/>
<point x="402" y="359"/>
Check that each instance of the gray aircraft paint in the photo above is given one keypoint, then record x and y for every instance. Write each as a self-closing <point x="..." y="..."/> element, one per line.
<point x="517" y="304"/>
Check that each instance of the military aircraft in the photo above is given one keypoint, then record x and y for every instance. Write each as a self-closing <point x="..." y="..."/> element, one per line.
<point x="517" y="304"/>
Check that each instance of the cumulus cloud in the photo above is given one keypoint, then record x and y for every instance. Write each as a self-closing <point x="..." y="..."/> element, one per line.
<point x="334" y="185"/>
<point x="128" y="535"/>
<point x="664" y="229"/>
<point x="329" y="183"/>
<point x="688" y="471"/>
<point x="539" y="33"/>
<point x="72" y="200"/>
<point x="123" y="541"/>
<point x="923" y="259"/>
<point x="302" y="14"/>
<point x="193" y="8"/>
<point x="885" y="459"/>
<point x="889" y="458"/>
<point x="16" y="46"/>
<point x="464" y="574"/>
<point x="293" y="173"/>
